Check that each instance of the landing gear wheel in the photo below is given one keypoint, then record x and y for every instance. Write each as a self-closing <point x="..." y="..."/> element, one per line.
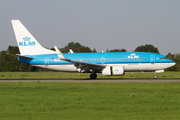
<point x="93" y="76"/>
<point x="155" y="76"/>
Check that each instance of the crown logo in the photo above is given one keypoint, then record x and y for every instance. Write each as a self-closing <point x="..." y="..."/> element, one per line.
<point x="26" y="38"/>
<point x="116" y="70"/>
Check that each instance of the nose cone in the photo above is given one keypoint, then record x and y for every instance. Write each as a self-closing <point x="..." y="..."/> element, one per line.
<point x="172" y="63"/>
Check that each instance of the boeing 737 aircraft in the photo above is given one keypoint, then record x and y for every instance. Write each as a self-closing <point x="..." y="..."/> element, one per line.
<point x="109" y="64"/>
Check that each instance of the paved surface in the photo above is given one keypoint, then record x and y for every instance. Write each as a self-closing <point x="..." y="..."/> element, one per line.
<point x="97" y="80"/>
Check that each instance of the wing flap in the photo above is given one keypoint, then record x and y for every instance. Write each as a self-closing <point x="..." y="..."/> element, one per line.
<point x="78" y="63"/>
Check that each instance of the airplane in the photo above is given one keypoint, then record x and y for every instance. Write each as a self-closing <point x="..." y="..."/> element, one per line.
<point x="107" y="63"/>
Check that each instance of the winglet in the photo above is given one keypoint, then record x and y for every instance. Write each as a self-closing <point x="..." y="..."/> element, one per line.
<point x="70" y="51"/>
<point x="60" y="55"/>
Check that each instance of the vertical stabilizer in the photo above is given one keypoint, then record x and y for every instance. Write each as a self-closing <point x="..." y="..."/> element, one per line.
<point x="27" y="44"/>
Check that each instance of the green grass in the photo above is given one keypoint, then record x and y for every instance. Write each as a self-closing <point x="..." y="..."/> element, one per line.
<point x="89" y="101"/>
<point x="63" y="75"/>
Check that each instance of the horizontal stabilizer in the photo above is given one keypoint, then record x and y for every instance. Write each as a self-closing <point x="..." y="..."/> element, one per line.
<point x="17" y="55"/>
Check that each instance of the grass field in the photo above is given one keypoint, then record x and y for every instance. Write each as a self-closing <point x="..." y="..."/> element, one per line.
<point x="89" y="101"/>
<point x="63" y="75"/>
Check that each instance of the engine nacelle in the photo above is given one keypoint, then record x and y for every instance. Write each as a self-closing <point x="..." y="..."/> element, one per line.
<point x="113" y="70"/>
<point x="159" y="71"/>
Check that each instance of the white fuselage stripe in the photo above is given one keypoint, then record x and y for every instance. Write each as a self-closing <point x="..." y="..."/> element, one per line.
<point x="127" y="67"/>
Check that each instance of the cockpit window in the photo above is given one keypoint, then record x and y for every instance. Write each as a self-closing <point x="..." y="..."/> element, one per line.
<point x="163" y="58"/>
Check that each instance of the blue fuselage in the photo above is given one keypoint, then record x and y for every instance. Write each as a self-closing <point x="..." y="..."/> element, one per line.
<point x="110" y="58"/>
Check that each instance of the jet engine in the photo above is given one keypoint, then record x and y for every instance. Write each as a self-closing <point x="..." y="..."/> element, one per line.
<point x="113" y="70"/>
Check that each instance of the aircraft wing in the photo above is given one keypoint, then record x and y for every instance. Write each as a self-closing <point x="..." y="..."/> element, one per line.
<point x="17" y="55"/>
<point x="80" y="64"/>
<point x="88" y="65"/>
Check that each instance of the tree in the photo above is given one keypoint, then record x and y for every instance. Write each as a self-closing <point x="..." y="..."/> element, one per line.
<point x="170" y="56"/>
<point x="123" y="50"/>
<point x="94" y="50"/>
<point x="176" y="60"/>
<point x="3" y="58"/>
<point x="10" y="63"/>
<point x="84" y="49"/>
<point x="118" y="50"/>
<point x="147" y="48"/>
<point x="76" y="47"/>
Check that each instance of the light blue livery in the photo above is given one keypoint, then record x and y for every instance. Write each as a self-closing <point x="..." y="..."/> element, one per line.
<point x="111" y="63"/>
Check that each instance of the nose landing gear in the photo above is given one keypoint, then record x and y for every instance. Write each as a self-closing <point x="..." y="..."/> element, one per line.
<point x="155" y="76"/>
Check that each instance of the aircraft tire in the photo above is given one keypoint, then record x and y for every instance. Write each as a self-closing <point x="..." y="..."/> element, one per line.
<point x="93" y="76"/>
<point x="155" y="76"/>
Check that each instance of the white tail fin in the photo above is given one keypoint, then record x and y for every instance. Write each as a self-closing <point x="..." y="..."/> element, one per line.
<point x="27" y="44"/>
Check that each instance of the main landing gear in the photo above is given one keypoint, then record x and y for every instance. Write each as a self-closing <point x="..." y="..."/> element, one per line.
<point x="93" y="76"/>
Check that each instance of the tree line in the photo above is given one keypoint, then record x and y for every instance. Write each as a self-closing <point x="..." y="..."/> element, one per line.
<point x="10" y="63"/>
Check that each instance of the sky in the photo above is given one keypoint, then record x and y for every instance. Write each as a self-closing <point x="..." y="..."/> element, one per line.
<point x="99" y="24"/>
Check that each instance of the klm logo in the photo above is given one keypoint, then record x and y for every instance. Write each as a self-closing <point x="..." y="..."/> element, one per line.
<point x="27" y="42"/>
<point x="133" y="56"/>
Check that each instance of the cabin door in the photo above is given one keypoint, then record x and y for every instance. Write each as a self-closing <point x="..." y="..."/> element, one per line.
<point x="46" y="61"/>
<point x="152" y="59"/>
